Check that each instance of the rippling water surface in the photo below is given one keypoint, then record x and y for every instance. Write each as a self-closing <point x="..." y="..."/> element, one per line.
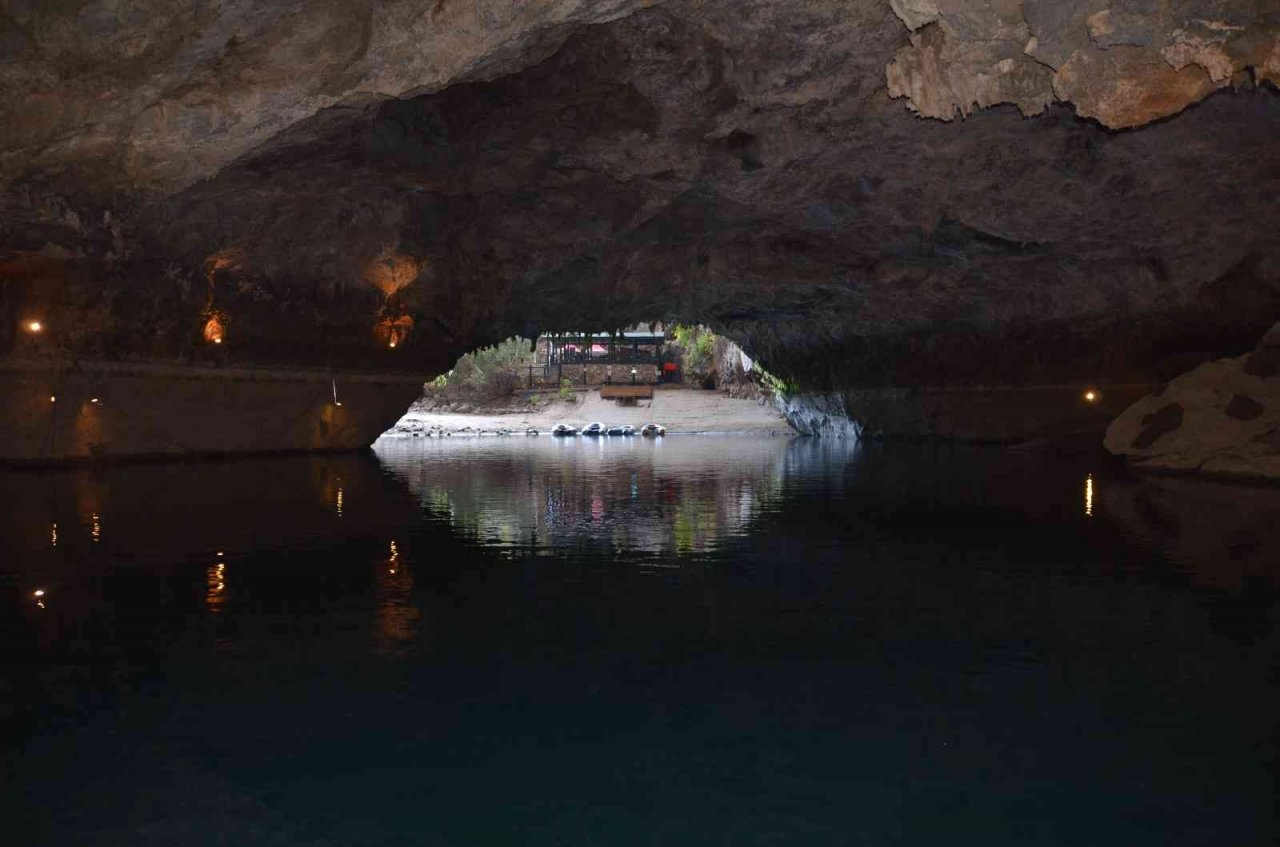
<point x="694" y="641"/>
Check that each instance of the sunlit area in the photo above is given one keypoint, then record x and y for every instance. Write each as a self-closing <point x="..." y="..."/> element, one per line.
<point x="681" y="379"/>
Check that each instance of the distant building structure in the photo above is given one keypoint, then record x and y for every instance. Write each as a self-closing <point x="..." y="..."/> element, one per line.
<point x="638" y="354"/>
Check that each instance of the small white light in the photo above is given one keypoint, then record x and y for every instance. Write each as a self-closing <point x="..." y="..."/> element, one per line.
<point x="217" y="341"/>
<point x="34" y="326"/>
<point x="53" y="398"/>
<point x="39" y="592"/>
<point x="1091" y="396"/>
<point x="94" y="400"/>
<point x="392" y="345"/>
<point x="219" y="554"/>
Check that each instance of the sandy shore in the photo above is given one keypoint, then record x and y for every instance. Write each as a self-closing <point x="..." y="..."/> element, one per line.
<point x="679" y="410"/>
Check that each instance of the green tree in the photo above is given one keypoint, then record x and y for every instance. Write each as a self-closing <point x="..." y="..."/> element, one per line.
<point x="487" y="373"/>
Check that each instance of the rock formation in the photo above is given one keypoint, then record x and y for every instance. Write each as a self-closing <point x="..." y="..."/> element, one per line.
<point x="1223" y="419"/>
<point x="379" y="186"/>
<point x="1124" y="62"/>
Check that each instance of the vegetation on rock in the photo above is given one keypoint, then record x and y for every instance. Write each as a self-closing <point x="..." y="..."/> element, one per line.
<point x="486" y="374"/>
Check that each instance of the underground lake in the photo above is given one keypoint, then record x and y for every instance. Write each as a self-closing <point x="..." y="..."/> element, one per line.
<point x="686" y="640"/>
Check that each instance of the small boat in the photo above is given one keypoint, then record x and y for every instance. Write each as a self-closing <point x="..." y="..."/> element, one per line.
<point x="593" y="429"/>
<point x="653" y="430"/>
<point x="564" y="430"/>
<point x="530" y="431"/>
<point x="622" y="429"/>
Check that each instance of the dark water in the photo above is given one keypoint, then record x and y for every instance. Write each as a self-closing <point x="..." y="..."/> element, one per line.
<point x="704" y="641"/>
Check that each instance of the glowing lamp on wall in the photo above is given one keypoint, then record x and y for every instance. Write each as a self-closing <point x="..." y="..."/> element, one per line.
<point x="34" y="327"/>
<point x="215" y="329"/>
<point x="1092" y="395"/>
<point x="393" y="331"/>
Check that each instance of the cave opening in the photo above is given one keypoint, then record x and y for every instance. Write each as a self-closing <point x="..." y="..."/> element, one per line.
<point x="678" y="378"/>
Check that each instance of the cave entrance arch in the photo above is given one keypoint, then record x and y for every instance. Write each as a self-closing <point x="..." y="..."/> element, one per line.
<point x="627" y="377"/>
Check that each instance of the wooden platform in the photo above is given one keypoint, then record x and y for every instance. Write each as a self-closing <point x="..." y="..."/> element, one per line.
<point x="626" y="395"/>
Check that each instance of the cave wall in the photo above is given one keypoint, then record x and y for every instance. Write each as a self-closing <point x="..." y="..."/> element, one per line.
<point x="867" y="195"/>
<point x="105" y="411"/>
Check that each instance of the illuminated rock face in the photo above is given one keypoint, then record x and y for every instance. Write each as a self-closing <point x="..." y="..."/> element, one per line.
<point x="378" y="187"/>
<point x="1222" y="419"/>
<point x="1122" y="62"/>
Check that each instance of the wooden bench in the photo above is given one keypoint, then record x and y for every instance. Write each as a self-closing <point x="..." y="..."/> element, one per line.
<point x="626" y="395"/>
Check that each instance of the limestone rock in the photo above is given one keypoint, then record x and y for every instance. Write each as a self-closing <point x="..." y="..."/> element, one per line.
<point x="818" y="414"/>
<point x="1125" y="63"/>
<point x="943" y="77"/>
<point x="328" y="176"/>
<point x="164" y="92"/>
<point x="915" y="13"/>
<point x="1219" y="419"/>
<point x="1129" y="86"/>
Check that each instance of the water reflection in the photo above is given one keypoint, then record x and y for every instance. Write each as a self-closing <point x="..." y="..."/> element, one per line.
<point x="1223" y="535"/>
<point x="513" y="622"/>
<point x="215" y="582"/>
<point x="677" y="496"/>
<point x="397" y="612"/>
<point x="666" y="502"/>
<point x="177" y="512"/>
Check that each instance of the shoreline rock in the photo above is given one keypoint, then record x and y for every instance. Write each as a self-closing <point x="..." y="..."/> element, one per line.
<point x="1221" y="419"/>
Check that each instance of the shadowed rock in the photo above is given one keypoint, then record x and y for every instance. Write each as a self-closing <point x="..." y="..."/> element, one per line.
<point x="1164" y="420"/>
<point x="1244" y="408"/>
<point x="1218" y="419"/>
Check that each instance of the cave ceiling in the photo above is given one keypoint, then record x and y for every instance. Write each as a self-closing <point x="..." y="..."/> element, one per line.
<point x="893" y="190"/>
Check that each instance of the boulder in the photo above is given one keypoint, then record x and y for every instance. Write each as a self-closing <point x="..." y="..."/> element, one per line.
<point x="1221" y="419"/>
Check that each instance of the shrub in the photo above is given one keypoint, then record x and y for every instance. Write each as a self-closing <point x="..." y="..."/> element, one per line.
<point x="778" y="386"/>
<point x="485" y="374"/>
<point x="697" y="345"/>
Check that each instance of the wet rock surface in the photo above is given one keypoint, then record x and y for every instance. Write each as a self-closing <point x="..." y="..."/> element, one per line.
<point x="388" y="185"/>
<point x="823" y="415"/>
<point x="1220" y="419"/>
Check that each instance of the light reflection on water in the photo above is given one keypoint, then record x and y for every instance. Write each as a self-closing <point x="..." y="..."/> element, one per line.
<point x="627" y="494"/>
<point x="215" y="579"/>
<point x="780" y="641"/>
